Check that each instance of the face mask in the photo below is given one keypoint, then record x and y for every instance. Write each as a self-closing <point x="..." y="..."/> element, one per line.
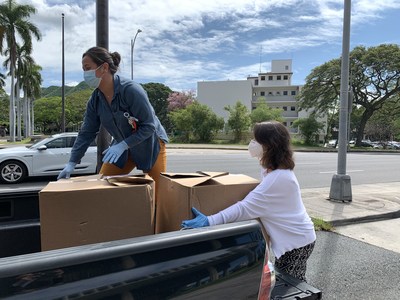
<point x="255" y="149"/>
<point x="91" y="79"/>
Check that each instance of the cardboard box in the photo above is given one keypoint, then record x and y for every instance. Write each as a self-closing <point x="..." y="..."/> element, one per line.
<point x="210" y="192"/>
<point x="88" y="209"/>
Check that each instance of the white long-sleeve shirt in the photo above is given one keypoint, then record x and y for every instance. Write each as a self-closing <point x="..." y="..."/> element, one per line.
<point x="277" y="202"/>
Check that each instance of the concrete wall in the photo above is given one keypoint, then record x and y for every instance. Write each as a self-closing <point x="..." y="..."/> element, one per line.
<point x="218" y="94"/>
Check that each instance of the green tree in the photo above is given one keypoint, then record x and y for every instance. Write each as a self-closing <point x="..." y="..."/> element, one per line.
<point x="264" y="113"/>
<point x="239" y="119"/>
<point x="47" y="114"/>
<point x="309" y="128"/>
<point x="75" y="107"/>
<point x="14" y="25"/>
<point x="197" y="122"/>
<point x="158" y="94"/>
<point x="383" y="125"/>
<point x="4" y="103"/>
<point x="48" y="111"/>
<point x="374" y="79"/>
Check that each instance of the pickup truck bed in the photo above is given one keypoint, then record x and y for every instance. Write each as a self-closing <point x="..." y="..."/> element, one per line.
<point x="219" y="262"/>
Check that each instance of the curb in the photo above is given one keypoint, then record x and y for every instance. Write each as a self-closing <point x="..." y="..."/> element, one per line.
<point x="366" y="219"/>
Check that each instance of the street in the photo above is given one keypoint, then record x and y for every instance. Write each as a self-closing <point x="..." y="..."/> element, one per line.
<point x="313" y="169"/>
<point x="345" y="268"/>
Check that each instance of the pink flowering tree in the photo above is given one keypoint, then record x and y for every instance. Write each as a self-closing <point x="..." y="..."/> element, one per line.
<point x="180" y="100"/>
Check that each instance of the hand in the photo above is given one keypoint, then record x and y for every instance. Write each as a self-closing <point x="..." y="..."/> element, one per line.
<point x="66" y="172"/>
<point x="200" y="220"/>
<point x="113" y="153"/>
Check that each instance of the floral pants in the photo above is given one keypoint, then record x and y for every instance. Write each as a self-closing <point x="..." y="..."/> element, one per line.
<point x="294" y="262"/>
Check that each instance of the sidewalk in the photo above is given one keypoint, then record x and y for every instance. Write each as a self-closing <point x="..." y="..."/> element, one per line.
<point x="370" y="202"/>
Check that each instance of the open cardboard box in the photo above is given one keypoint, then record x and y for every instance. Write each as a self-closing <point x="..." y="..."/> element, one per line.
<point x="90" y="209"/>
<point x="209" y="192"/>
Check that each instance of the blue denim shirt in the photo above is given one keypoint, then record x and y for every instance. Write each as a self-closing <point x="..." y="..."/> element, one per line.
<point x="129" y="97"/>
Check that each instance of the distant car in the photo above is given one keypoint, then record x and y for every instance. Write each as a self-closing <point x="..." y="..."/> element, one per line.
<point x="366" y="144"/>
<point x="47" y="157"/>
<point x="331" y="144"/>
<point x="393" y="145"/>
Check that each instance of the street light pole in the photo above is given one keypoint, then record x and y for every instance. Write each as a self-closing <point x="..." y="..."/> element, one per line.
<point x="341" y="182"/>
<point x="132" y="46"/>
<point x="62" y="77"/>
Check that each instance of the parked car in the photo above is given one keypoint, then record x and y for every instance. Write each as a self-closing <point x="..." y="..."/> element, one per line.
<point x="331" y="144"/>
<point x="393" y="145"/>
<point x="367" y="144"/>
<point x="45" y="158"/>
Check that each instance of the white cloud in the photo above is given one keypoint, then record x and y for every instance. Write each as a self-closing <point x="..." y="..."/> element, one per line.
<point x="186" y="41"/>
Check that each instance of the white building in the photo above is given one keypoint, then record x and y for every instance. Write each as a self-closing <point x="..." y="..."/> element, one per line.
<point x="219" y="94"/>
<point x="274" y="86"/>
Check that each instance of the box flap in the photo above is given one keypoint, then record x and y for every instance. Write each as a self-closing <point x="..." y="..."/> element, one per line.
<point x="235" y="179"/>
<point x="74" y="185"/>
<point x="194" y="179"/>
<point x="128" y="179"/>
<point x="182" y="175"/>
<point x="213" y="174"/>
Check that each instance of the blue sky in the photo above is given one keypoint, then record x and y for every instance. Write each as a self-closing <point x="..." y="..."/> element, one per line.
<point x="184" y="42"/>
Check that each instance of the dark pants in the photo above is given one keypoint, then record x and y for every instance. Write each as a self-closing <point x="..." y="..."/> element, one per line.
<point x="294" y="262"/>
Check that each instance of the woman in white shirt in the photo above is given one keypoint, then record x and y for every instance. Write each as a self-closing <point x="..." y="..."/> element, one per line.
<point x="276" y="201"/>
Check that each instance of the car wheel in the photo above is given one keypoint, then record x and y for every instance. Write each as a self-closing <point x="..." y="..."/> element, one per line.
<point x="12" y="171"/>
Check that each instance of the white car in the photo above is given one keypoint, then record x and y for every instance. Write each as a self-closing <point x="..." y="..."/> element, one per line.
<point x="44" y="158"/>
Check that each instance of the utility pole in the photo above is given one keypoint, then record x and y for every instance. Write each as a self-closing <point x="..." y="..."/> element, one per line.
<point x="103" y="137"/>
<point x="62" y="76"/>
<point x="341" y="182"/>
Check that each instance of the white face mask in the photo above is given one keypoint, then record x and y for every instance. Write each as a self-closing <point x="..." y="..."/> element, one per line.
<point x="90" y="77"/>
<point x="255" y="149"/>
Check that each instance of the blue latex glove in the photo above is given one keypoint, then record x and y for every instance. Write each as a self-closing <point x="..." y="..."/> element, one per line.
<point x="66" y="172"/>
<point x="200" y="220"/>
<point x="114" y="152"/>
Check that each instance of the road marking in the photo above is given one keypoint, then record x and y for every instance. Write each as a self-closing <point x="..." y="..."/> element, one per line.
<point x="348" y="171"/>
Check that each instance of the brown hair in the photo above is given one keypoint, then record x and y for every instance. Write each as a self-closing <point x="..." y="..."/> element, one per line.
<point x="275" y="139"/>
<point x="101" y="55"/>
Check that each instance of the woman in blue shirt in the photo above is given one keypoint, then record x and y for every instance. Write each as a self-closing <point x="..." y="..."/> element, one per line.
<point x="124" y="110"/>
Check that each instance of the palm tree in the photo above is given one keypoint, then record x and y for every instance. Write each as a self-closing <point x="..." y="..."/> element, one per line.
<point x="24" y="63"/>
<point x="31" y="83"/>
<point x="14" y="22"/>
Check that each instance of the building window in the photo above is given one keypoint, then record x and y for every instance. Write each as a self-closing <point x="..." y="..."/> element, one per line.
<point x="270" y="77"/>
<point x="278" y="93"/>
<point x="286" y="67"/>
<point x="285" y="77"/>
<point x="279" y="77"/>
<point x="262" y="93"/>
<point x="270" y="93"/>
<point x="285" y="93"/>
<point x="262" y="77"/>
<point x="285" y="108"/>
<point x="256" y="82"/>
<point x="292" y="108"/>
<point x="293" y="93"/>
